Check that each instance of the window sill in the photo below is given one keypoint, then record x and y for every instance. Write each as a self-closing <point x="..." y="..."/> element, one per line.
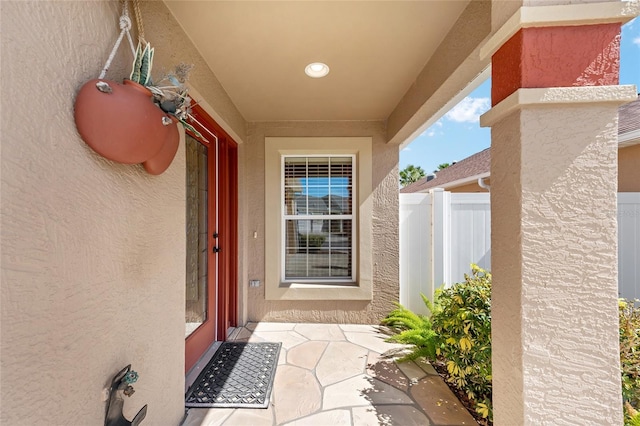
<point x="311" y="291"/>
<point x="345" y="284"/>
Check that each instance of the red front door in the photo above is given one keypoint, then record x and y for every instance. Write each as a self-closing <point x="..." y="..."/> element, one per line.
<point x="211" y="281"/>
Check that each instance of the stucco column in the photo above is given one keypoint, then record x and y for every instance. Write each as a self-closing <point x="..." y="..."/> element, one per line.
<point x="554" y="230"/>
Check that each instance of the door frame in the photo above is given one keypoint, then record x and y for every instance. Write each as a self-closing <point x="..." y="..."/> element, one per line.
<point x="223" y="287"/>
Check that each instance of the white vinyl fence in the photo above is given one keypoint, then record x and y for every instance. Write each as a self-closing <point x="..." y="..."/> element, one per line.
<point x="442" y="233"/>
<point x="629" y="244"/>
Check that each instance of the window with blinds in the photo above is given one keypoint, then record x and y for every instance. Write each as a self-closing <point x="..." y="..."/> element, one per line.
<point x="318" y="218"/>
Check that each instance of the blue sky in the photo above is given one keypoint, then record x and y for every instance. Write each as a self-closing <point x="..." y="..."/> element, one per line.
<point x="319" y="187"/>
<point x="458" y="135"/>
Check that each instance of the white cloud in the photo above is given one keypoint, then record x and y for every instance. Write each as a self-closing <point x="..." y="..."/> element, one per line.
<point x="431" y="131"/>
<point x="636" y="41"/>
<point x="406" y="149"/>
<point x="469" y="110"/>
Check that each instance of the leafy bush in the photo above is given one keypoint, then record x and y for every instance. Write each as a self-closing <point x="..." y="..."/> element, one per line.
<point x="630" y="352"/>
<point x="458" y="333"/>
<point x="413" y="329"/>
<point x="463" y="326"/>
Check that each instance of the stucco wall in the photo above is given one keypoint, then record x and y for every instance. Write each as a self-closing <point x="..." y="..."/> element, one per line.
<point x="385" y="227"/>
<point x="93" y="259"/>
<point x="628" y="173"/>
<point x="557" y="279"/>
<point x="628" y="169"/>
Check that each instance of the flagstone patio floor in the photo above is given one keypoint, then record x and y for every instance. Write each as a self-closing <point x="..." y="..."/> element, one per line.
<point x="334" y="375"/>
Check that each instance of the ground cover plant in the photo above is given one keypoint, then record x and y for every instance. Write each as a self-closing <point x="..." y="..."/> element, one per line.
<point x="413" y="329"/>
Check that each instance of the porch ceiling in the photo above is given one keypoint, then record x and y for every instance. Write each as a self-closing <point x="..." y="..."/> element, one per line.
<point x="258" y="51"/>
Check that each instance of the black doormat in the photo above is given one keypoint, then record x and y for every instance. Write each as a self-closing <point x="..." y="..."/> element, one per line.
<point x="240" y="375"/>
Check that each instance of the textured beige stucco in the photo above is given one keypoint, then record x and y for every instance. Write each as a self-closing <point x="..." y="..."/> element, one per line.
<point x="502" y="10"/>
<point x="554" y="263"/>
<point x="506" y="267"/>
<point x="384" y="224"/>
<point x="93" y="252"/>
<point x="629" y="169"/>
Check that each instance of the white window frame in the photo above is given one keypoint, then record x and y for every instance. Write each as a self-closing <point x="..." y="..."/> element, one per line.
<point x="354" y="214"/>
<point x="274" y="287"/>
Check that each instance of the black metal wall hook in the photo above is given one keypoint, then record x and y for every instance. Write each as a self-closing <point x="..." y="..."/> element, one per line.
<point x="122" y="382"/>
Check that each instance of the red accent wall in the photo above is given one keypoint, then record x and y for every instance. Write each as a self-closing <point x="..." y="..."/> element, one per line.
<point x="587" y="55"/>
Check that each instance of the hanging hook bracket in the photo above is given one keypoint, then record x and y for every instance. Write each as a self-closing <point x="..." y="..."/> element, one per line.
<point x="122" y="381"/>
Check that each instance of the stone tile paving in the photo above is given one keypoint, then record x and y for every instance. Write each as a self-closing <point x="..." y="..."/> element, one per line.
<point x="334" y="375"/>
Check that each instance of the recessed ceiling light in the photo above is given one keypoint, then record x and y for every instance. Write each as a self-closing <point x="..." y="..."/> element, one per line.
<point x="316" y="70"/>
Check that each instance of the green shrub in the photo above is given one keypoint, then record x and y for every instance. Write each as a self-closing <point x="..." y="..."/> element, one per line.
<point x="413" y="329"/>
<point x="463" y="326"/>
<point x="458" y="333"/>
<point x="629" y="315"/>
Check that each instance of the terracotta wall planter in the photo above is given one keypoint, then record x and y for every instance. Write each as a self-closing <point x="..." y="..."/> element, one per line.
<point x="121" y="123"/>
<point x="162" y="160"/>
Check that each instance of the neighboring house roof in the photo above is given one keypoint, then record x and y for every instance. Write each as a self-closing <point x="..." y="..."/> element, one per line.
<point x="479" y="164"/>
<point x="465" y="171"/>
<point x="629" y="123"/>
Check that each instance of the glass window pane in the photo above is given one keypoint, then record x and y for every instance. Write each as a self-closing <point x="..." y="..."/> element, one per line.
<point x="317" y="249"/>
<point x="339" y="200"/>
<point x="197" y="194"/>
<point x="340" y="167"/>
<point x="318" y="186"/>
<point x="294" y="201"/>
